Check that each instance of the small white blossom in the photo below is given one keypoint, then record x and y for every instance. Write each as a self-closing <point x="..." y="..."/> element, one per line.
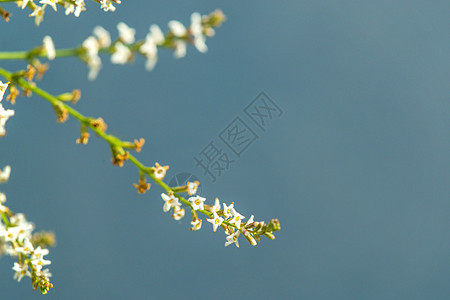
<point x="196" y="225"/>
<point x="21" y="271"/>
<point x="178" y="213"/>
<point x="5" y="114"/>
<point x="216" y="206"/>
<point x="157" y="34"/>
<point x="91" y="45"/>
<point x="38" y="14"/>
<point x="52" y="3"/>
<point x="177" y="28"/>
<point x="197" y="202"/>
<point x="27" y="247"/>
<point x="106" y="5"/>
<point x="93" y="60"/>
<point x="75" y="8"/>
<point x="169" y="202"/>
<point x="103" y="36"/>
<point x="233" y="238"/>
<point x="10" y="234"/>
<point x="192" y="187"/>
<point x="126" y="34"/>
<point x="237" y="218"/>
<point x="40" y="262"/>
<point x="216" y="221"/>
<point x="121" y="55"/>
<point x="197" y="32"/>
<point x="4" y="175"/>
<point x="49" y="47"/>
<point x="39" y="253"/>
<point x="180" y="49"/>
<point x="150" y="50"/>
<point x="227" y="210"/>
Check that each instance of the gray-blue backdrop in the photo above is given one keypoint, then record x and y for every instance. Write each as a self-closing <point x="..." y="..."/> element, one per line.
<point x="357" y="168"/>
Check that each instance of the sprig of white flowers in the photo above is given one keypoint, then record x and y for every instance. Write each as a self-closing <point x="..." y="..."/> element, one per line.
<point x="75" y="7"/>
<point x="227" y="218"/>
<point x="17" y="240"/>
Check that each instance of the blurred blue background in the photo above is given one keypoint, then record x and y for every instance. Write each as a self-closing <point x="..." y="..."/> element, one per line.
<point x="357" y="168"/>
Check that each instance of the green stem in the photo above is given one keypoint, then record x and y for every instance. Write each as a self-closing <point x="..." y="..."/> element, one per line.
<point x="112" y="140"/>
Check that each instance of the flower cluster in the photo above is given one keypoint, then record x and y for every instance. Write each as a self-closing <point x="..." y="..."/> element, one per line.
<point x="227" y="218"/>
<point x="17" y="240"/>
<point x="124" y="48"/>
<point x="5" y="114"/>
<point x="70" y="6"/>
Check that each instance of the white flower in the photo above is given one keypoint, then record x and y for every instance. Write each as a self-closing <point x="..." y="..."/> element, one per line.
<point x="21" y="271"/>
<point x="103" y="37"/>
<point x="4" y="175"/>
<point x="178" y="213"/>
<point x="233" y="238"/>
<point x="121" y="55"/>
<point x="196" y="225"/>
<point x="216" y="221"/>
<point x="40" y="262"/>
<point x="177" y="28"/>
<point x="159" y="171"/>
<point x="25" y="3"/>
<point x="126" y="34"/>
<point x="38" y="14"/>
<point x="197" y="202"/>
<point x="157" y="34"/>
<point x="52" y="3"/>
<point x="180" y="49"/>
<point x="27" y="247"/>
<point x="94" y="64"/>
<point x="107" y="5"/>
<point x="149" y="49"/>
<point x="39" y="253"/>
<point x="192" y="187"/>
<point x="76" y="8"/>
<point x="49" y="47"/>
<point x="10" y="234"/>
<point x="169" y="202"/>
<point x="237" y="218"/>
<point x="93" y="60"/>
<point x="197" y="32"/>
<point x="216" y="206"/>
<point x="91" y="45"/>
<point x="227" y="210"/>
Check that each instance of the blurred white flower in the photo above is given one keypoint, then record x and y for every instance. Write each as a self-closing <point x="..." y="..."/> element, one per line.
<point x="21" y="271"/>
<point x="177" y="28"/>
<point x="180" y="49"/>
<point x="126" y="34"/>
<point x="4" y="175"/>
<point x="38" y="14"/>
<point x="157" y="34"/>
<point x="103" y="36"/>
<point x="197" y="32"/>
<point x="121" y="55"/>
<point x="227" y="210"/>
<point x="49" y="47"/>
